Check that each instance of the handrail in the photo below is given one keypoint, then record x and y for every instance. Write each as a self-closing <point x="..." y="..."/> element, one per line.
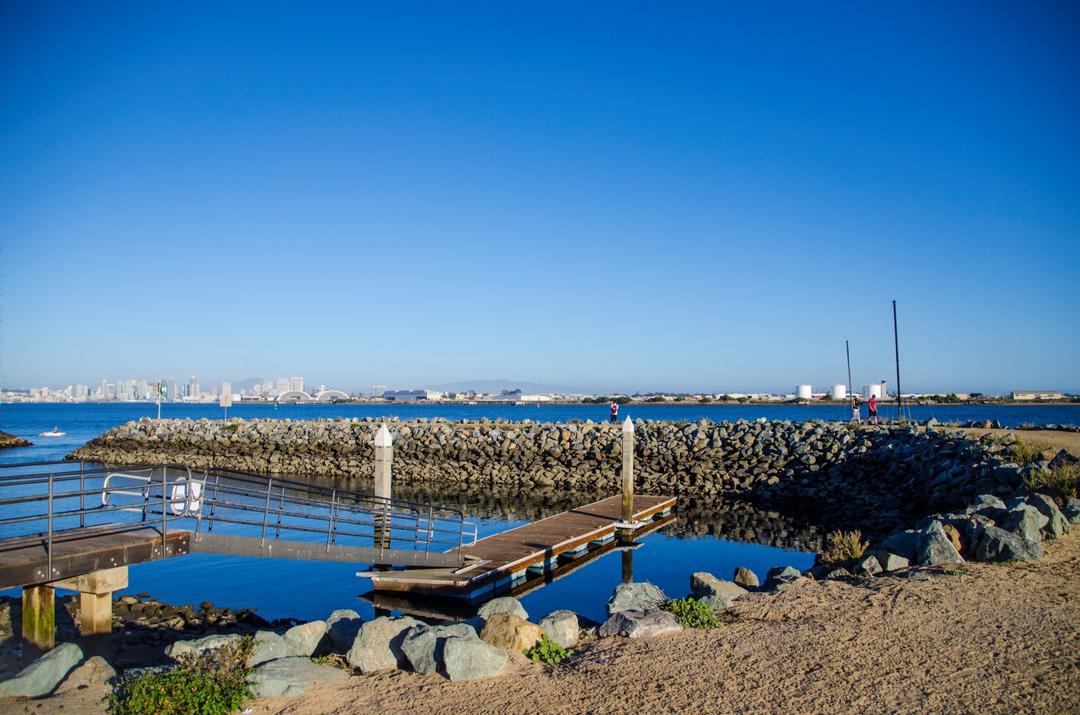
<point x="266" y="508"/>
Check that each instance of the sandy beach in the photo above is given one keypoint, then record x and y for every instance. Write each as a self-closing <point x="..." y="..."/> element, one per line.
<point x="980" y="638"/>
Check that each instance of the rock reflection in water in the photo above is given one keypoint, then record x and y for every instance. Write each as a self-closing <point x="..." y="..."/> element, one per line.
<point x="696" y="516"/>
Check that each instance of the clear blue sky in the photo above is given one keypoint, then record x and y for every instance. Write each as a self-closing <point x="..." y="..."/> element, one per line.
<point x="616" y="196"/>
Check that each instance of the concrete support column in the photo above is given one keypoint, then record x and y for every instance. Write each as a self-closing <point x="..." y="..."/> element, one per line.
<point x="39" y="615"/>
<point x="95" y="597"/>
<point x="384" y="457"/>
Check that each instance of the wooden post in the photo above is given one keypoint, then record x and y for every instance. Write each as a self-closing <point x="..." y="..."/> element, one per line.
<point x="628" y="471"/>
<point x="39" y="615"/>
<point x="95" y="597"/>
<point x="384" y="457"/>
<point x="628" y="565"/>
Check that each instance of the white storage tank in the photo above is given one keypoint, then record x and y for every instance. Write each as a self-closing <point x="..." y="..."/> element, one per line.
<point x="803" y="392"/>
<point x="874" y="390"/>
<point x="838" y="392"/>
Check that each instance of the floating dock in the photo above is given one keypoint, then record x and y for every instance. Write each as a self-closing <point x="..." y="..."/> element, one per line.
<point x="500" y="561"/>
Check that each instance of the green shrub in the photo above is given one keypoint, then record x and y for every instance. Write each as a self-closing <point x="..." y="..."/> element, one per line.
<point x="1025" y="453"/>
<point x="213" y="682"/>
<point x="548" y="651"/>
<point x="691" y="613"/>
<point x="1063" y="482"/>
<point x="843" y="547"/>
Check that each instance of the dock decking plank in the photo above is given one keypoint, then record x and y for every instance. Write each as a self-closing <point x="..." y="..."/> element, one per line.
<point x="514" y="550"/>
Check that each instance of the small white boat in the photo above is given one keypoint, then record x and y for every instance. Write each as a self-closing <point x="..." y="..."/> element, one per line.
<point x="52" y="433"/>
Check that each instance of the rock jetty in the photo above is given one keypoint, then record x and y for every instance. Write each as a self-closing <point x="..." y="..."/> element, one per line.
<point x="8" y="440"/>
<point x="874" y="478"/>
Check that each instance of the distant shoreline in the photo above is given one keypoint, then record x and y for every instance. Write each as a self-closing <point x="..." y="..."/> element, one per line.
<point x="632" y="403"/>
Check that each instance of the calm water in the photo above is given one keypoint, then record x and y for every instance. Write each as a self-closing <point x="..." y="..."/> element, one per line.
<point x="712" y="537"/>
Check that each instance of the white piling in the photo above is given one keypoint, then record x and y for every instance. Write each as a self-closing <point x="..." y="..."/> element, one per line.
<point x="628" y="471"/>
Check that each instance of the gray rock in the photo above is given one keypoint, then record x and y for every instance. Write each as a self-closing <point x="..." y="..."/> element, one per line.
<point x="303" y="639"/>
<point x="745" y="578"/>
<point x="723" y="593"/>
<point x="505" y="604"/>
<point x="1057" y="525"/>
<point x="95" y="670"/>
<point x="635" y="596"/>
<point x="781" y="575"/>
<point x="1062" y="459"/>
<point x="936" y="547"/>
<point x="342" y="627"/>
<point x="1000" y="545"/>
<point x="837" y="574"/>
<point x="868" y="566"/>
<point x="378" y="645"/>
<point x="470" y="659"/>
<point x="199" y="645"/>
<point x="1072" y="510"/>
<point x="639" y="624"/>
<point x="44" y="674"/>
<point x="268" y="646"/>
<point x="423" y="645"/>
<point x="291" y="676"/>
<point x="561" y="627"/>
<point x="891" y="562"/>
<point x="905" y="543"/>
<point x="1026" y="522"/>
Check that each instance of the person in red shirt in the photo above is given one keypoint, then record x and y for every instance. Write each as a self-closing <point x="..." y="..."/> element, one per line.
<point x="873" y="409"/>
<point x="614" y="412"/>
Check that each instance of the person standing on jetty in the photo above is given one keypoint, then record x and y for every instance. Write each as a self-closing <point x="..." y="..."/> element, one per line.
<point x="614" y="412"/>
<point x="856" y="415"/>
<point x="872" y="406"/>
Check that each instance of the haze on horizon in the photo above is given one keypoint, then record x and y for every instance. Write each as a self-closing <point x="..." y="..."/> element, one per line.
<point x="619" y="197"/>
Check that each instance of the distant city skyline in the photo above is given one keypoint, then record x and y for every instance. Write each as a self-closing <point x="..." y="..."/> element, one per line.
<point x="628" y="197"/>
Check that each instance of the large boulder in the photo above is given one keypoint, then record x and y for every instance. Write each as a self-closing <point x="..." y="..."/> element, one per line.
<point x="639" y="624"/>
<point x="291" y="676"/>
<point x="904" y="543"/>
<point x="302" y="640"/>
<point x="1000" y="545"/>
<point x="867" y="566"/>
<point x="1072" y="510"/>
<point x="746" y="578"/>
<point x="469" y="658"/>
<point x="342" y="627"/>
<point x="720" y="593"/>
<point x="510" y="632"/>
<point x="781" y="575"/>
<point x="423" y="644"/>
<point x="937" y="548"/>
<point x="562" y="627"/>
<point x="635" y="596"/>
<point x="1056" y="525"/>
<point x="179" y="648"/>
<point x="891" y="562"/>
<point x="378" y="644"/>
<point x="268" y="646"/>
<point x="44" y="674"/>
<point x="1026" y="522"/>
<point x="95" y="670"/>
<point x="504" y="604"/>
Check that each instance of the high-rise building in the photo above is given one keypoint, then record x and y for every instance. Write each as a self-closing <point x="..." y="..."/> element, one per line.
<point x="193" y="388"/>
<point x="296" y="383"/>
<point x="267" y="387"/>
<point x="282" y="385"/>
<point x="81" y="393"/>
<point x="378" y="390"/>
<point x="104" y="394"/>
<point x="171" y="391"/>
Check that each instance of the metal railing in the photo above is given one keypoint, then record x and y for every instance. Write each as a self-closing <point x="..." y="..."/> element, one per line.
<point x="225" y="511"/>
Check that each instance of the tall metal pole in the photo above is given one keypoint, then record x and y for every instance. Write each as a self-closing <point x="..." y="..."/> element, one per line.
<point x="847" y="349"/>
<point x="896" y="347"/>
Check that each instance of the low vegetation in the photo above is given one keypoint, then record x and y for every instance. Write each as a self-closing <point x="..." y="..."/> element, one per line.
<point x="691" y="613"/>
<point x="1025" y="453"/>
<point x="1061" y="482"/>
<point x="843" y="548"/>
<point x="548" y="651"/>
<point x="213" y="682"/>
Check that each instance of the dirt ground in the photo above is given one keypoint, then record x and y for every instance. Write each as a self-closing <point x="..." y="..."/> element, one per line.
<point x="981" y="638"/>
<point x="1051" y="438"/>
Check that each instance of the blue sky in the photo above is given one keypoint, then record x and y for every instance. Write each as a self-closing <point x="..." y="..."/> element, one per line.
<point x="616" y="196"/>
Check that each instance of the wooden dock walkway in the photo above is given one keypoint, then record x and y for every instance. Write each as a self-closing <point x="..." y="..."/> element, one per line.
<point x="25" y="560"/>
<point x="503" y="558"/>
